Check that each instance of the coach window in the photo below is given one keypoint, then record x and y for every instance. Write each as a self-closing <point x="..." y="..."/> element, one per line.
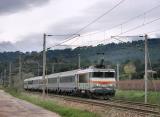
<point x="52" y="80"/>
<point x="67" y="79"/>
<point x="35" y="81"/>
<point x="30" y="82"/>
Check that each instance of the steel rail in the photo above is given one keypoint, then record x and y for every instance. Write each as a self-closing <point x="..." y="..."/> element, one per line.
<point x="142" y="109"/>
<point x="137" y="103"/>
<point x="111" y="104"/>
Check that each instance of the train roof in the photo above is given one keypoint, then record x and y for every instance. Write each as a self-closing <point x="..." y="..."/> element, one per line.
<point x="34" y="78"/>
<point x="92" y="69"/>
<point x="72" y="72"/>
<point x="67" y="73"/>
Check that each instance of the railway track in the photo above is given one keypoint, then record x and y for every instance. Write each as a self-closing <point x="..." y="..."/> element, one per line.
<point x="137" y="103"/>
<point x="140" y="108"/>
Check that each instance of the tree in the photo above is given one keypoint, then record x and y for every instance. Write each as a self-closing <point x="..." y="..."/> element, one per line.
<point x="130" y="69"/>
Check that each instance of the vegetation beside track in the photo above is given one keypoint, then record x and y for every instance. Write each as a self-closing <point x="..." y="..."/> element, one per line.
<point x="138" y="96"/>
<point x="51" y="105"/>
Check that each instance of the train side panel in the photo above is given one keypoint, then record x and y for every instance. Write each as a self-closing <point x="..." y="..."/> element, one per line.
<point x="67" y="83"/>
<point x="53" y="84"/>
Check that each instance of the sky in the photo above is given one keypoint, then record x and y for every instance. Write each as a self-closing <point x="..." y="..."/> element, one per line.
<point x="23" y="22"/>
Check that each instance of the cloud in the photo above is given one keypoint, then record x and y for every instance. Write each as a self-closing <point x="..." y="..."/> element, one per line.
<point x="71" y="24"/>
<point x="30" y="43"/>
<point x="124" y="12"/>
<point x="7" y="46"/>
<point x="12" y="6"/>
<point x="34" y="42"/>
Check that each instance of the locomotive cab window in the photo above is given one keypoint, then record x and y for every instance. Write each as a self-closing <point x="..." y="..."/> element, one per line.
<point x="98" y="74"/>
<point x="109" y="74"/>
<point x="103" y="74"/>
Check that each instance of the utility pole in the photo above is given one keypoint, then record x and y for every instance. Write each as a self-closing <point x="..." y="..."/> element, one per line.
<point x="44" y="64"/>
<point x="117" y="76"/>
<point x="10" y="72"/>
<point x="79" y="61"/>
<point x="1" y="78"/>
<point x="146" y="67"/>
<point x="20" y="67"/>
<point x="38" y="68"/>
<point x="44" y="59"/>
<point x="4" y="77"/>
<point x="47" y="81"/>
<point x="20" y="71"/>
<point x="146" y="62"/>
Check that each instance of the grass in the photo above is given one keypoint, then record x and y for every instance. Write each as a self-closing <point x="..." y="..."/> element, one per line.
<point x="52" y="106"/>
<point x="153" y="97"/>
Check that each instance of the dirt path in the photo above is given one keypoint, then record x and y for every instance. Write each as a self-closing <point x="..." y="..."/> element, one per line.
<point x="13" y="107"/>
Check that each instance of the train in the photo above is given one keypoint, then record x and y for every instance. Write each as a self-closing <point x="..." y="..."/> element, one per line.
<point x="91" y="82"/>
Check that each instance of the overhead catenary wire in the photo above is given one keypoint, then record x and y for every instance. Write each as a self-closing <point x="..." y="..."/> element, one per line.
<point x="130" y="19"/>
<point x="153" y="31"/>
<point x="98" y="42"/>
<point x="135" y="17"/>
<point x="107" y="12"/>
<point x="139" y="26"/>
<point x="134" y="28"/>
<point x="129" y="30"/>
<point x="125" y="22"/>
<point x="95" y="20"/>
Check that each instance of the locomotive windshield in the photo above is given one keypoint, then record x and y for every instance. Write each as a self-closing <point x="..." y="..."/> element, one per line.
<point x="98" y="74"/>
<point x="103" y="74"/>
<point x="109" y="74"/>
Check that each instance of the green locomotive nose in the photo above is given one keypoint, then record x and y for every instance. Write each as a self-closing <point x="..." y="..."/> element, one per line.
<point x="103" y="91"/>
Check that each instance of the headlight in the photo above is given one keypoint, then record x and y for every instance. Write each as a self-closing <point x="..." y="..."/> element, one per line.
<point x="98" y="85"/>
<point x="111" y="85"/>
